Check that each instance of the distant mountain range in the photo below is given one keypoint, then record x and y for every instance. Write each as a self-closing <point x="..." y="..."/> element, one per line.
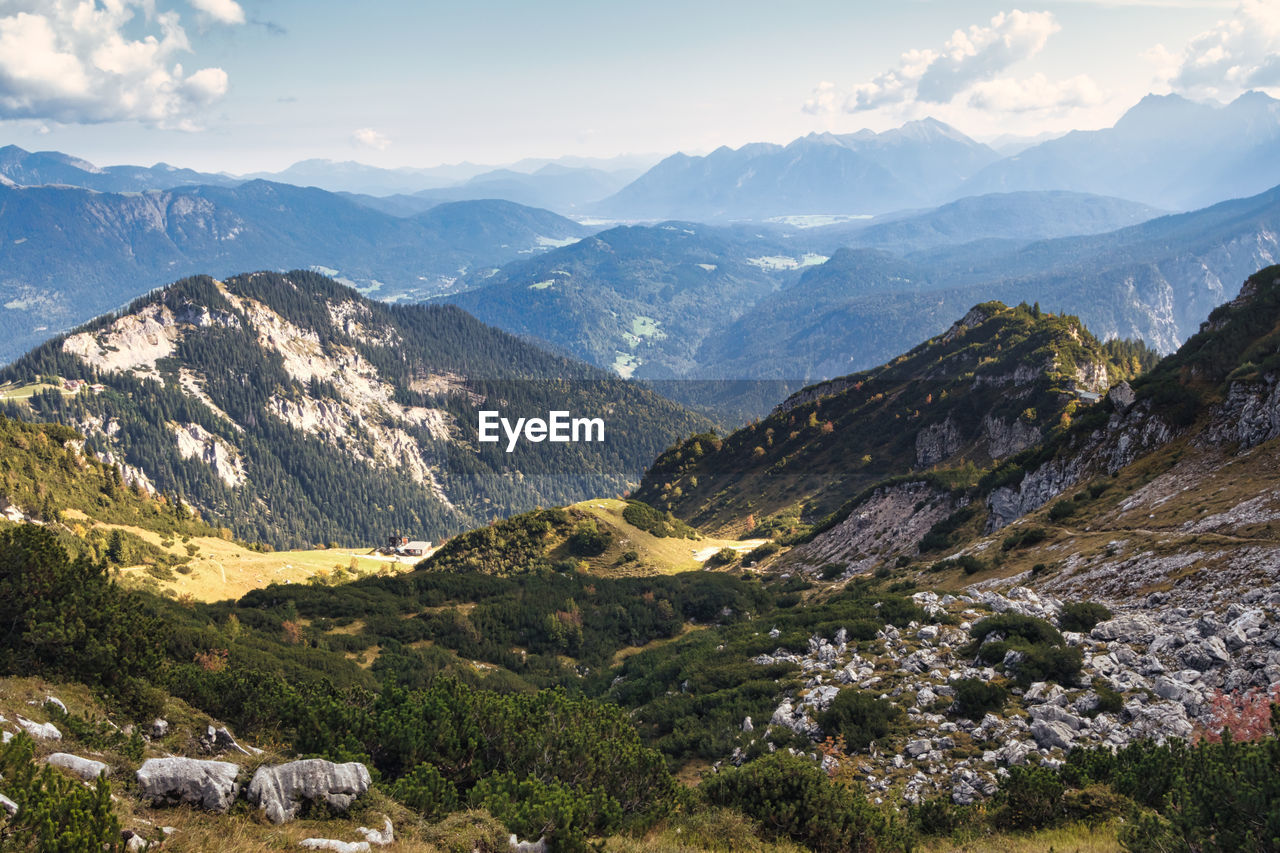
<point x="1166" y="151"/>
<point x="27" y="169"/>
<point x="1155" y="281"/>
<point x="698" y="302"/>
<point x="859" y="173"/>
<point x="68" y="254"/>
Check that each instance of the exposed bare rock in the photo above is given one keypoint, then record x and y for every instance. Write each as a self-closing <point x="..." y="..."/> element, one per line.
<point x="1007" y="438"/>
<point x="196" y="442"/>
<point x="281" y="790"/>
<point x="335" y="845"/>
<point x="1121" y="396"/>
<point x="891" y="520"/>
<point x="936" y="442"/>
<point x="85" y="768"/>
<point x="40" y="731"/>
<point x="210" y="785"/>
<point x="379" y="837"/>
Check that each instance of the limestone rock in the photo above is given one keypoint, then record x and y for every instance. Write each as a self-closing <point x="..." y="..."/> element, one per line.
<point x="379" y="837"/>
<point x="85" y="768"/>
<point x="281" y="790"/>
<point x="40" y="731"/>
<point x="211" y="785"/>
<point x="335" y="845"/>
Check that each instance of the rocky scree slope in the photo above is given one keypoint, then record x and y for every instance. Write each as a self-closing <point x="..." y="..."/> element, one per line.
<point x="1150" y="671"/>
<point x="293" y="410"/>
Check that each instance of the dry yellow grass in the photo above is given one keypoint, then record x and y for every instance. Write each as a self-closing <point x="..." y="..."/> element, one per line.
<point x="665" y="555"/>
<point x="1076" y="838"/>
<point x="221" y="569"/>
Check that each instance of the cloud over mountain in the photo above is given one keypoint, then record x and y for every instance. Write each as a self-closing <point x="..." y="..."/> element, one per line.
<point x="1236" y="54"/>
<point x="971" y="62"/>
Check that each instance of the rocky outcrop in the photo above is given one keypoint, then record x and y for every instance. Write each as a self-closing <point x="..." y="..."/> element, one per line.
<point x="936" y="442"/>
<point x="280" y="791"/>
<point x="196" y="442"/>
<point x="210" y="785"/>
<point x="40" y="731"/>
<point x="1249" y="415"/>
<point x="1125" y="438"/>
<point x="1005" y="438"/>
<point x="334" y="845"/>
<point x="1121" y="396"/>
<point x="1092" y="376"/>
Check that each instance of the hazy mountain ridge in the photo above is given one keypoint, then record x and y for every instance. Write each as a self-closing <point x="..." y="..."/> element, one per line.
<point x="1166" y="151"/>
<point x="1155" y="280"/>
<point x="68" y="254"/>
<point x="859" y="173"/>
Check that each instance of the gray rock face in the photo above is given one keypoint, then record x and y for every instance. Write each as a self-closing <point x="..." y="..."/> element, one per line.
<point x="335" y="845"/>
<point x="281" y="790"/>
<point x="85" y="768"/>
<point x="210" y="785"/>
<point x="1121" y="396"/>
<point x="936" y="442"/>
<point x="8" y="805"/>
<point x="1007" y="438"/>
<point x="1132" y="628"/>
<point x="1051" y="733"/>
<point x="379" y="837"/>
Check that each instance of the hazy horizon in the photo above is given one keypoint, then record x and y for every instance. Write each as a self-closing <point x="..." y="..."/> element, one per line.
<point x="257" y="85"/>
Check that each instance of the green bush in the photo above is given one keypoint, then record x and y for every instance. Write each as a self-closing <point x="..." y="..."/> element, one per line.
<point x="588" y="540"/>
<point x="975" y="697"/>
<point x="56" y="814"/>
<point x="1043" y="654"/>
<point x="425" y="790"/>
<point x="723" y="557"/>
<point x="758" y="553"/>
<point x="1081" y="616"/>
<point x="1024" y="537"/>
<point x="1029" y="798"/>
<point x="793" y="798"/>
<point x="861" y="718"/>
<point x="66" y="617"/>
<point x="564" y="815"/>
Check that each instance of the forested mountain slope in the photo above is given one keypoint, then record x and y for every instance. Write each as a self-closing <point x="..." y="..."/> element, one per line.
<point x="295" y="411"/>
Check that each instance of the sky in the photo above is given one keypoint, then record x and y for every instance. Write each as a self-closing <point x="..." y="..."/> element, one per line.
<point x="255" y="85"/>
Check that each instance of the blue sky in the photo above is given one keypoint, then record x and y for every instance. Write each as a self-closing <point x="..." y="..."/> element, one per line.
<point x="243" y="85"/>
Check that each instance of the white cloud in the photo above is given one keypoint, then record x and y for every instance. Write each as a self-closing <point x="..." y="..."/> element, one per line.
<point x="222" y="11"/>
<point x="1239" y="53"/>
<point x="969" y="58"/>
<point x="1035" y="94"/>
<point x="367" y="137"/>
<point x="981" y="53"/>
<point x="71" y="61"/>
